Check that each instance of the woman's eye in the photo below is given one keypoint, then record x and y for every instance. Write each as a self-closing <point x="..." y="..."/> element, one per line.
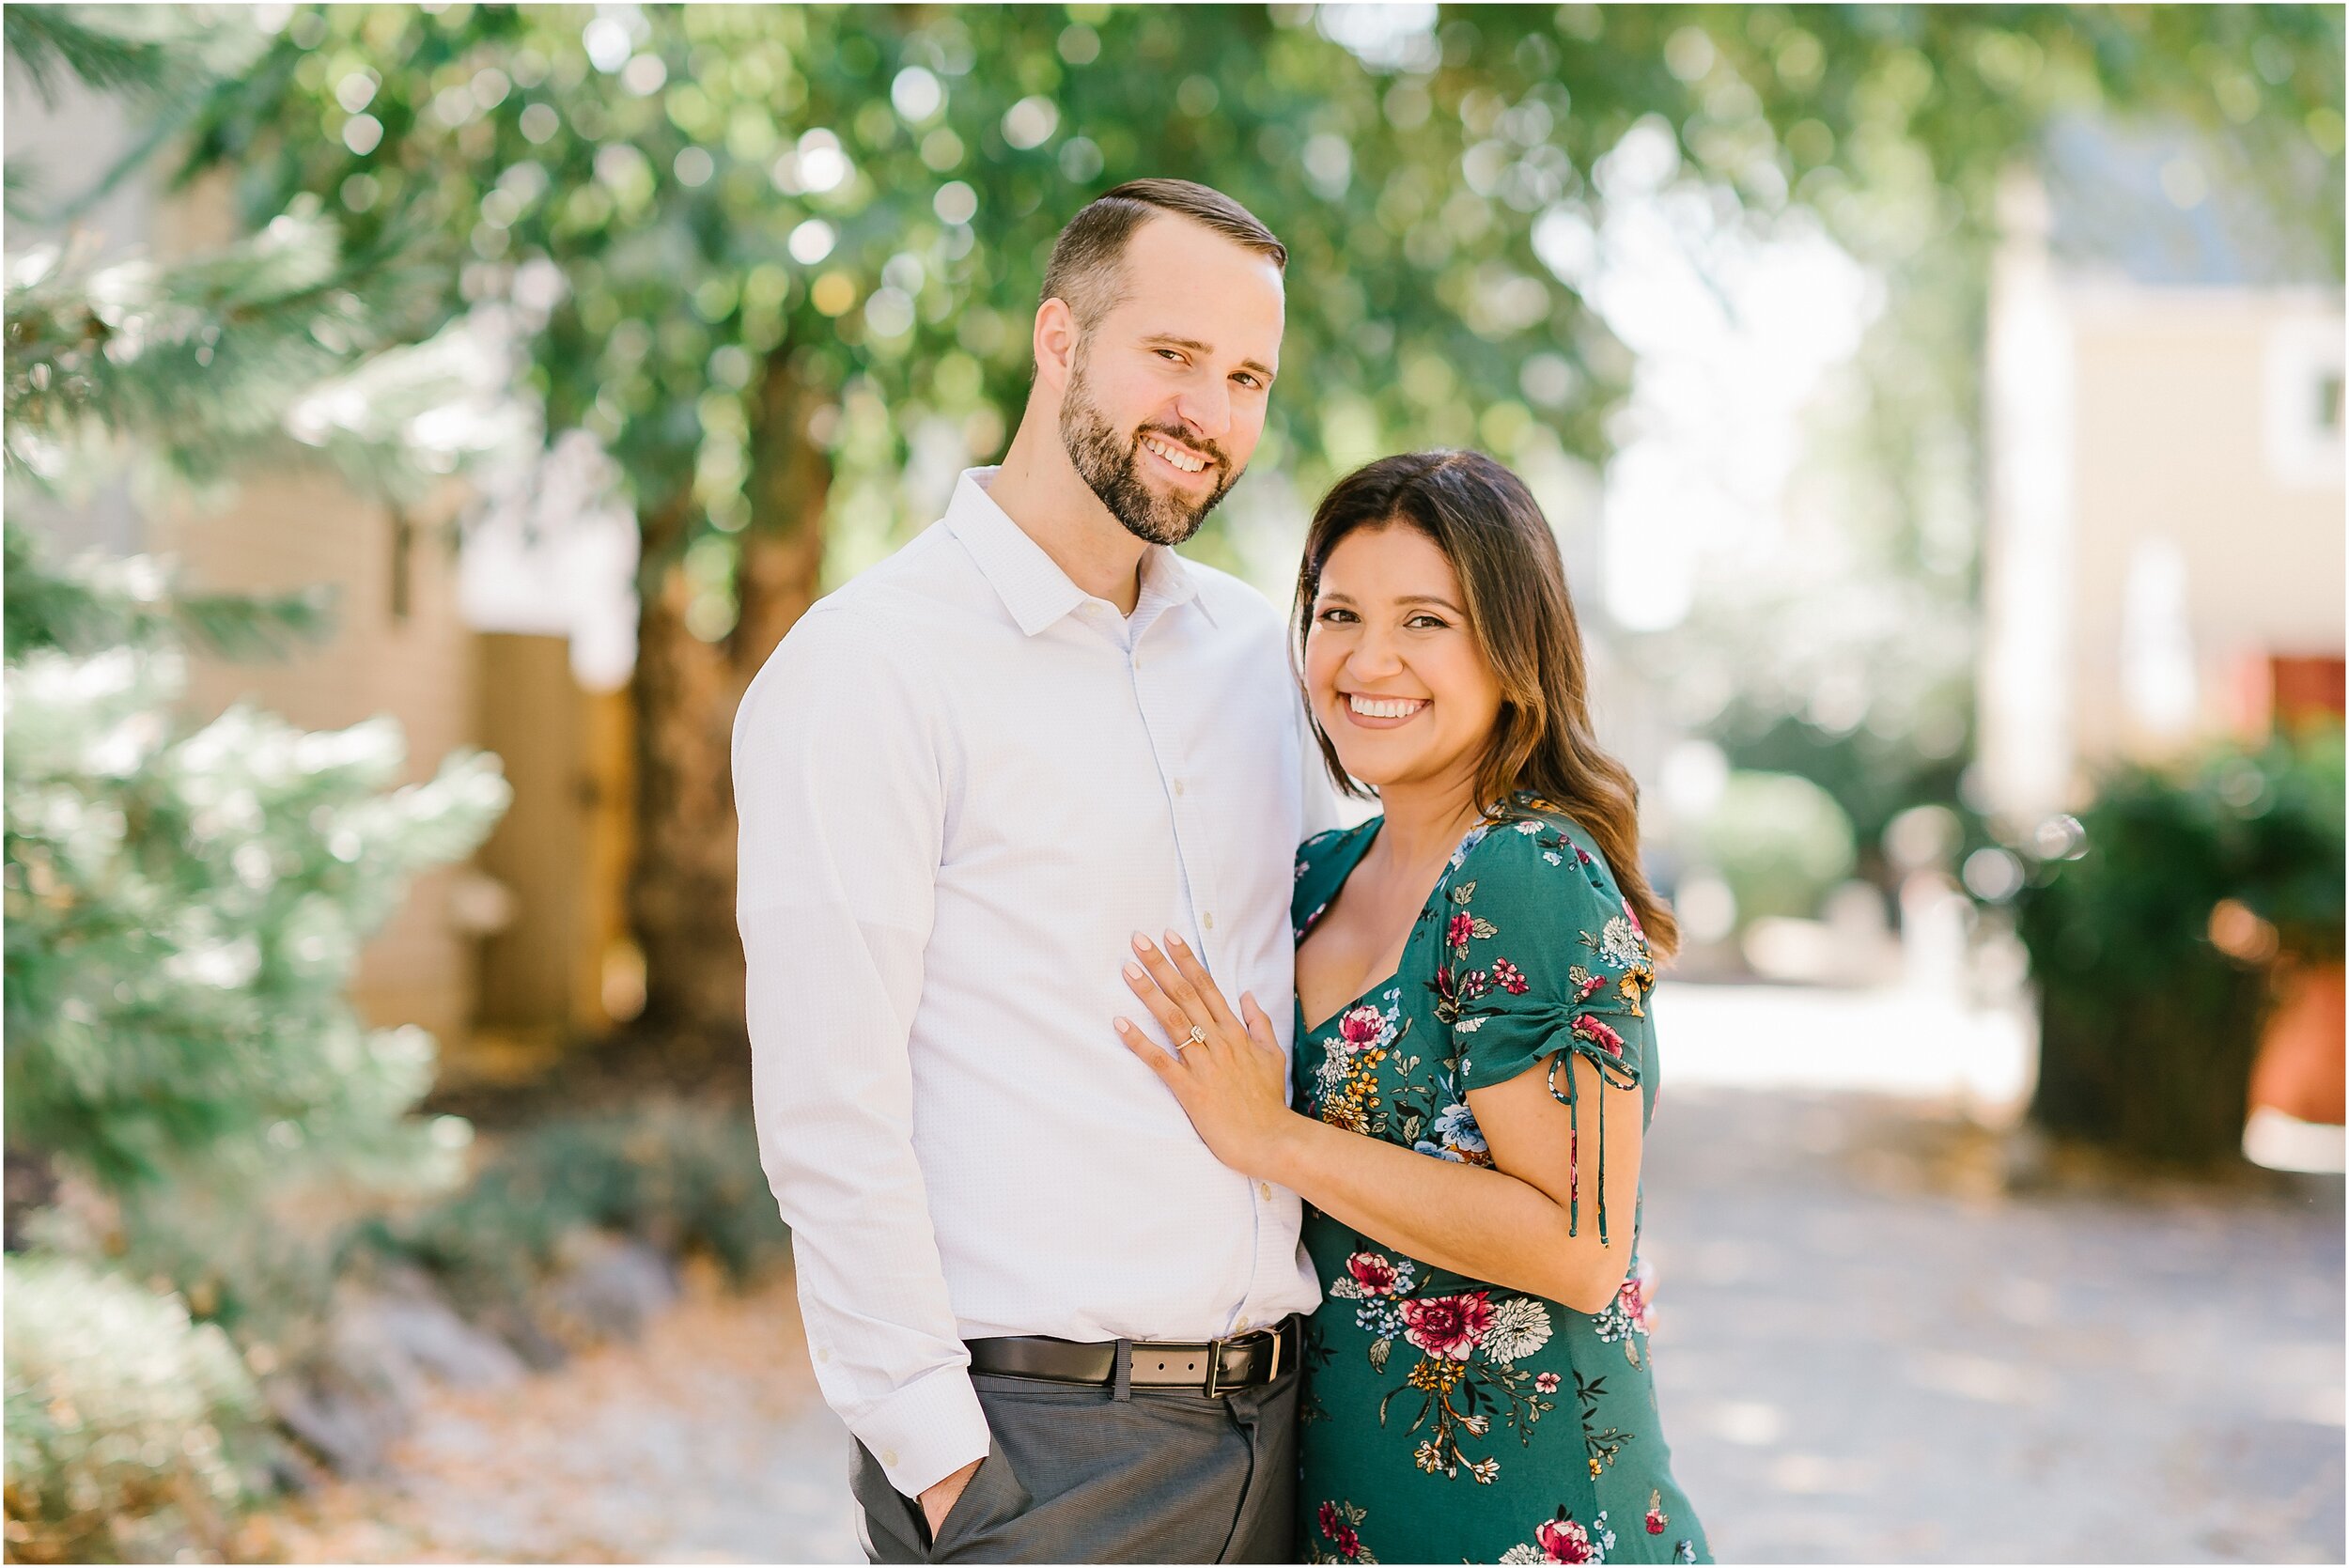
<point x="1333" y="616"/>
<point x="1425" y="623"/>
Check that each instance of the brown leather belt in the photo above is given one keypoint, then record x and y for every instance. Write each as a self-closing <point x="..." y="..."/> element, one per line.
<point x="1215" y="1368"/>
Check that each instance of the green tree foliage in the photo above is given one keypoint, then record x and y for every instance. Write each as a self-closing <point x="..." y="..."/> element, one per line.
<point x="184" y="910"/>
<point x="184" y="906"/>
<point x="791" y="252"/>
<point x="870" y="190"/>
<point x="163" y="60"/>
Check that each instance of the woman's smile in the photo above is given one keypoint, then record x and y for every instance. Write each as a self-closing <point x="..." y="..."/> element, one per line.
<point x="1383" y="713"/>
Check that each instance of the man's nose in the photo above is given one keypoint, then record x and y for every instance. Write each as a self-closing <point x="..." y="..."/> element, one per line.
<point x="1206" y="409"/>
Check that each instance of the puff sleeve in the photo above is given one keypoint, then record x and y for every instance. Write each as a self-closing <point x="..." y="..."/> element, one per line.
<point x="1543" y="961"/>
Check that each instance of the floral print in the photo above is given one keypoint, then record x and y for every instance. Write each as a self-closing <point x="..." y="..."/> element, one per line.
<point x="1420" y="1378"/>
<point x="1560" y="1539"/>
<point x="1467" y="1344"/>
<point x="1347" y="1080"/>
<point x="1339" y="1524"/>
<point x="1625" y="1319"/>
<point x="1457" y="1137"/>
<point x="1447" y="1326"/>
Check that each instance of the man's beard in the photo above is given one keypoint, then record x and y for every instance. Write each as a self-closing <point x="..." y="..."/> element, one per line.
<point x="1112" y="465"/>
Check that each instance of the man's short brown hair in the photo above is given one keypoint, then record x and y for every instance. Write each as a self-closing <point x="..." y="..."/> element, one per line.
<point x="1087" y="266"/>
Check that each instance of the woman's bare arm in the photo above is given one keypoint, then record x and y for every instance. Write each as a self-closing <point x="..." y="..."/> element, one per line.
<point x="1529" y="1223"/>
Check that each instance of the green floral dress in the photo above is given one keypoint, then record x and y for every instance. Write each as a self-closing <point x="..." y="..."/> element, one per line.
<point x="1447" y="1418"/>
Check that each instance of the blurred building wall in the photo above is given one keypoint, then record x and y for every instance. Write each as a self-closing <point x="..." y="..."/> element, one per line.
<point x="2166" y="512"/>
<point x="397" y="648"/>
<point x="563" y="968"/>
<point x="2209" y="498"/>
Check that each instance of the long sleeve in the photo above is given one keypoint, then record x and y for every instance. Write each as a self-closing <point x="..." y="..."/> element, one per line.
<point x="839" y="790"/>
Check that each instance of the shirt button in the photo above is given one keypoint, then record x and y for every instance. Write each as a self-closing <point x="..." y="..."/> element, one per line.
<point x="1179" y="787"/>
<point x="1264" y="1191"/>
<point x="890" y="1458"/>
<point x="823" y="1355"/>
<point x="1206" y="922"/>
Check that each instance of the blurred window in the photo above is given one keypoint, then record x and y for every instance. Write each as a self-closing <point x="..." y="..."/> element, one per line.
<point x="2303" y="403"/>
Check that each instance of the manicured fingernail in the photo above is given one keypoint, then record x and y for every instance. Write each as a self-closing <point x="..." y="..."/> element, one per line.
<point x="1142" y="944"/>
<point x="1133" y="972"/>
<point x="1125" y="1028"/>
<point x="1174" y="941"/>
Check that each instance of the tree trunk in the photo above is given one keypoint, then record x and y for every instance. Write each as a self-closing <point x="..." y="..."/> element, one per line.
<point x="686" y="691"/>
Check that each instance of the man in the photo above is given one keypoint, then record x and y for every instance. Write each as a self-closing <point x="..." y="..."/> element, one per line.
<point x="1059" y="1328"/>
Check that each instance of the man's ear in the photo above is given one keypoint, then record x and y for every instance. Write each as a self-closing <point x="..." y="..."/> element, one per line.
<point x="1056" y="337"/>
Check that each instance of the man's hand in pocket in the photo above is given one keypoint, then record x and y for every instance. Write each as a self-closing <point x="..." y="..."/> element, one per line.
<point x="938" y="1500"/>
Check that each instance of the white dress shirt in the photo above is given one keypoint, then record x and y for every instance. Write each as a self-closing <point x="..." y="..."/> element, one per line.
<point x="963" y="783"/>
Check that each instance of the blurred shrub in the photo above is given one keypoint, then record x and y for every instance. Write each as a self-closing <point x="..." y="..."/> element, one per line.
<point x="251" y="1263"/>
<point x="684" y="1178"/>
<point x="129" y="1428"/>
<point x="2154" y="923"/>
<point x="1780" y="841"/>
<point x="184" y="910"/>
<point x="1874" y="777"/>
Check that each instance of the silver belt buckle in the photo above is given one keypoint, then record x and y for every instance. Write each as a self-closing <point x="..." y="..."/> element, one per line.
<point x="1215" y="1389"/>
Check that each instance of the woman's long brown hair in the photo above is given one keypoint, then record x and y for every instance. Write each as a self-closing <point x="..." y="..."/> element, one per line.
<point x="1492" y="532"/>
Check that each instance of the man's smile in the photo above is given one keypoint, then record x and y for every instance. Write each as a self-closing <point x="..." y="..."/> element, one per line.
<point x="1179" y="458"/>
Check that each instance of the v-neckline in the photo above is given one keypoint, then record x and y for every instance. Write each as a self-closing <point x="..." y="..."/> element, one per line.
<point x="1348" y="1006"/>
<point x="1377" y="825"/>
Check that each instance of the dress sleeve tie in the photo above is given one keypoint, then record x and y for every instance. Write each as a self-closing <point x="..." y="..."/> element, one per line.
<point x="1585" y="1035"/>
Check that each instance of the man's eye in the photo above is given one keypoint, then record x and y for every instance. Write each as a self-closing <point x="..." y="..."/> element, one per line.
<point x="1247" y="380"/>
<point x="1171" y="356"/>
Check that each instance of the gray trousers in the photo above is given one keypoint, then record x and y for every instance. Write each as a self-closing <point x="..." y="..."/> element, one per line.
<point x="1077" y="1474"/>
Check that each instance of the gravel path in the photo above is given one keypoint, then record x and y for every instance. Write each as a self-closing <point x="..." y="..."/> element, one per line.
<point x="1866" y="1353"/>
<point x="704" y="1441"/>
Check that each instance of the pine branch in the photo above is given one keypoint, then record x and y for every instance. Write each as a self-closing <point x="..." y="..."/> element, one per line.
<point x="99" y="602"/>
<point x="53" y="43"/>
<point x="21" y="185"/>
<point x="198" y="361"/>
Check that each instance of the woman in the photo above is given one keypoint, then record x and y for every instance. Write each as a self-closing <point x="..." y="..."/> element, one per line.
<point x="1472" y="971"/>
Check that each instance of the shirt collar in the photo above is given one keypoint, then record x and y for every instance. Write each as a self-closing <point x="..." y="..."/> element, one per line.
<point x="1031" y="584"/>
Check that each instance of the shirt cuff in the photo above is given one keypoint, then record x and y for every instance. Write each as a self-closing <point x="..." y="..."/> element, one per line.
<point x="926" y="1430"/>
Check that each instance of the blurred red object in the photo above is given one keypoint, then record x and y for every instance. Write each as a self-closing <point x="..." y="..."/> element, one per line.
<point x="2300" y="1065"/>
<point x="2306" y="690"/>
<point x="2268" y="692"/>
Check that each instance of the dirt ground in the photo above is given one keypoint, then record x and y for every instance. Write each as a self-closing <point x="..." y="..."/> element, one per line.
<point x="704" y="1441"/>
<point x="1867" y="1350"/>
